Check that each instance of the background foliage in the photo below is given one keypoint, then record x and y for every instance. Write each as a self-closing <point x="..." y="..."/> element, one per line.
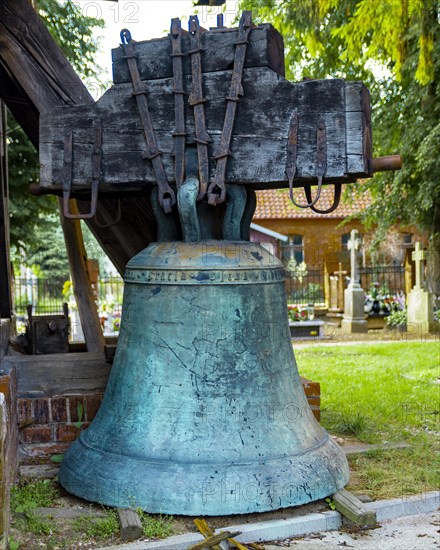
<point x="35" y="232"/>
<point x="394" y="47"/>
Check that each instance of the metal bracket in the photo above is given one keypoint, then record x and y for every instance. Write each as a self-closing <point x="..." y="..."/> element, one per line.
<point x="67" y="175"/>
<point x="292" y="152"/>
<point x="336" y="199"/>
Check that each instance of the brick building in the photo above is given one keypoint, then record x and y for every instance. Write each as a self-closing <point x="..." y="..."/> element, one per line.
<point x="321" y="240"/>
<point x="317" y="238"/>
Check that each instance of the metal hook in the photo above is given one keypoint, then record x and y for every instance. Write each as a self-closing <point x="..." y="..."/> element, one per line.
<point x="311" y="203"/>
<point x="321" y="159"/>
<point x="116" y="220"/>
<point x="67" y="175"/>
<point x="125" y="36"/>
<point x="337" y="198"/>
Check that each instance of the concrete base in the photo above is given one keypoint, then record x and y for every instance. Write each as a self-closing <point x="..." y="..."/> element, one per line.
<point x="300" y="526"/>
<point x="334" y="317"/>
<point x="376" y="322"/>
<point x="354" y="326"/>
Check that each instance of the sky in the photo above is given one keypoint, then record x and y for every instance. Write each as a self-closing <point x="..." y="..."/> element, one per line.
<point x="145" y="19"/>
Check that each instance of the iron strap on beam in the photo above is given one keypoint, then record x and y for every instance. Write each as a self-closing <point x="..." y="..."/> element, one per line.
<point x="179" y="134"/>
<point x="67" y="174"/>
<point x="217" y="188"/>
<point x="167" y="197"/>
<point x="197" y="100"/>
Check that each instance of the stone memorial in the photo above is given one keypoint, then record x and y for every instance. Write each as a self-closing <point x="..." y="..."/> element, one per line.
<point x="420" y="300"/>
<point x="354" y="318"/>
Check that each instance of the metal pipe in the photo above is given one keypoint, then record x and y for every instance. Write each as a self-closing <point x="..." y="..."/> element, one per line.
<point x="382" y="164"/>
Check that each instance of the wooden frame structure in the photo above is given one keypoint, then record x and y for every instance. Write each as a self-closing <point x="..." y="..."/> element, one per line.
<point x="5" y="267"/>
<point x="35" y="77"/>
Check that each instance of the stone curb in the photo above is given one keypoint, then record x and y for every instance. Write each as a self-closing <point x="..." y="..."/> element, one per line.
<point x="297" y="527"/>
<point x="406" y="506"/>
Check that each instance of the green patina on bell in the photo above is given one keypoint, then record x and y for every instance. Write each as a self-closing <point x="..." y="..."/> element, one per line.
<point x="204" y="412"/>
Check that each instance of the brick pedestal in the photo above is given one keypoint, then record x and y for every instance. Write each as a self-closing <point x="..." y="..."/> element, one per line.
<point x="48" y="425"/>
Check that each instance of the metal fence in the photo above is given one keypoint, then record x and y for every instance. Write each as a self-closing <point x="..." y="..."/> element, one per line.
<point x="384" y="279"/>
<point x="306" y="289"/>
<point x="46" y="295"/>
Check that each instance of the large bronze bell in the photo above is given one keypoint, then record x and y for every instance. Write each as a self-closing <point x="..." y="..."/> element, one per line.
<point x="204" y="412"/>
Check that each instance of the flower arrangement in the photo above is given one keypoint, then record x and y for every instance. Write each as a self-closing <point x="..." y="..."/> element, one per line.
<point x="379" y="300"/>
<point x="298" y="313"/>
<point x="117" y="322"/>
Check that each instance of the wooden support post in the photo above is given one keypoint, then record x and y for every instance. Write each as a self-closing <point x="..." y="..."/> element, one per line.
<point x="353" y="509"/>
<point x="82" y="289"/>
<point x="5" y="266"/>
<point x="131" y="526"/>
<point x="4" y="500"/>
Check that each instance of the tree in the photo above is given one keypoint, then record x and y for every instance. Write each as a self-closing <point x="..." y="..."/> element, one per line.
<point x="394" y="47"/>
<point x="34" y="220"/>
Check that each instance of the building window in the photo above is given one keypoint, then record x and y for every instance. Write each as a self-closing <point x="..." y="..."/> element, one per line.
<point x="294" y="249"/>
<point x="407" y="240"/>
<point x="344" y="240"/>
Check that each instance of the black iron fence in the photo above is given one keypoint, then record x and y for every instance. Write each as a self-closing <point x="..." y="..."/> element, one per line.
<point x="45" y="296"/>
<point x="306" y="288"/>
<point x="48" y="295"/>
<point x="302" y="287"/>
<point x="381" y="279"/>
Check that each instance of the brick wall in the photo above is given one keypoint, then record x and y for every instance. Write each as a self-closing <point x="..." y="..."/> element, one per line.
<point x="313" y="394"/>
<point x="8" y="446"/>
<point x="8" y="387"/>
<point x="48" y="425"/>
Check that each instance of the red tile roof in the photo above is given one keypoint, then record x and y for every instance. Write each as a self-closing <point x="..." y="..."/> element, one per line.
<point x="275" y="204"/>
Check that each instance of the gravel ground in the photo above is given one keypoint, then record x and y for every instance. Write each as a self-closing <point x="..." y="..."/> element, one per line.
<point x="420" y="532"/>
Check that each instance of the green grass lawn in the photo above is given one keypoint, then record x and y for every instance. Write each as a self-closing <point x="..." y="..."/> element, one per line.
<point x="378" y="393"/>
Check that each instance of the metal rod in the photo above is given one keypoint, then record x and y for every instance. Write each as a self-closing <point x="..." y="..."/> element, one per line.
<point x="382" y="164"/>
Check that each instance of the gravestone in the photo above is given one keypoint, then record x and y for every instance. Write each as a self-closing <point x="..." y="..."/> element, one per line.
<point x="354" y="296"/>
<point x="420" y="309"/>
<point x="334" y="305"/>
<point x="340" y="275"/>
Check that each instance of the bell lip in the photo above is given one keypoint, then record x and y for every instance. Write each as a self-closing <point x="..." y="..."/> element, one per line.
<point x="209" y="255"/>
<point x="181" y="489"/>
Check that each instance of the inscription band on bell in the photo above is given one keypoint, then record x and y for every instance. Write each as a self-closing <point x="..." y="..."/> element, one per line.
<point x="206" y="276"/>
